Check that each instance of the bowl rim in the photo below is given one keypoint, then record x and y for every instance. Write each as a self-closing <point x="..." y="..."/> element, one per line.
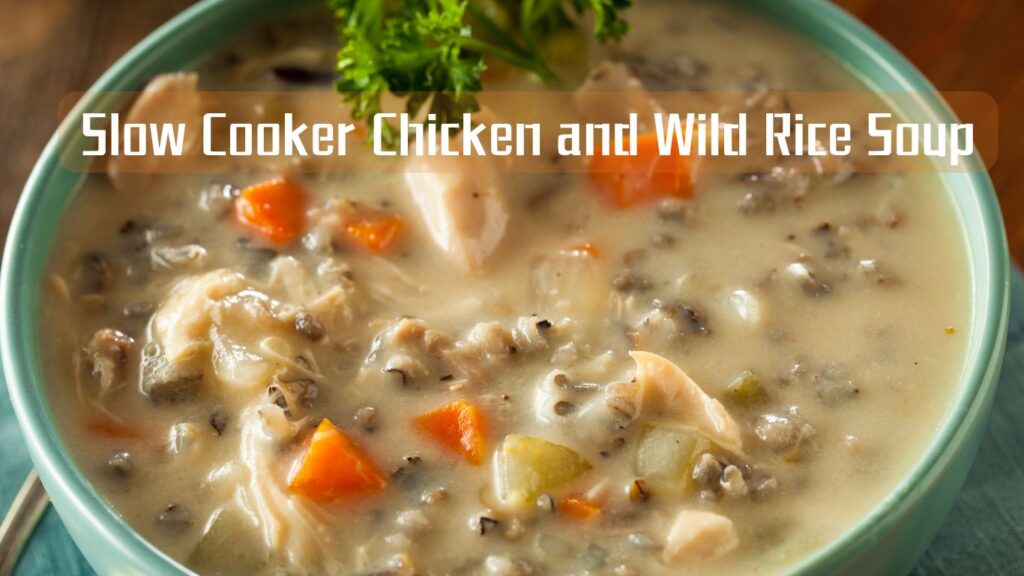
<point x="61" y="474"/>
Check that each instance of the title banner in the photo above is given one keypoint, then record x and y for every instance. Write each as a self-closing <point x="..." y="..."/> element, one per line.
<point x="539" y="131"/>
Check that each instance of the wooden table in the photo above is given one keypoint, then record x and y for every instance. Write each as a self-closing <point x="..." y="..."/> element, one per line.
<point x="49" y="48"/>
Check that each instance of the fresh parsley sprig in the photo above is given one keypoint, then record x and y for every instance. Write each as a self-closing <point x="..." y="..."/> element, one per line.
<point x="434" y="51"/>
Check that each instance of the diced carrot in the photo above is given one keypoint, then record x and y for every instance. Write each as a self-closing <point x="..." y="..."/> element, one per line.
<point x="626" y="181"/>
<point x="585" y="249"/>
<point x="459" y="427"/>
<point x="578" y="507"/>
<point x="375" y="231"/>
<point x="334" y="468"/>
<point x="275" y="209"/>
<point x="111" y="429"/>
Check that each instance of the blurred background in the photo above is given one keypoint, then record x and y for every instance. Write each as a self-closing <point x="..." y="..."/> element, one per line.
<point x="49" y="48"/>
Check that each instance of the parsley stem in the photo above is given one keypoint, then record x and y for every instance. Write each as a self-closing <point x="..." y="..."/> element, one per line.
<point x="498" y="35"/>
<point x="526" y="25"/>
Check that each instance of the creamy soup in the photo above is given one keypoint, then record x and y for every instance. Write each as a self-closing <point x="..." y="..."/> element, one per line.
<point x="447" y="370"/>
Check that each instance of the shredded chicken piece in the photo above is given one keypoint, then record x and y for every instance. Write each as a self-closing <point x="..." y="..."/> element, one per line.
<point x="290" y="526"/>
<point x="487" y="340"/>
<point x="215" y="324"/>
<point x="108" y="353"/>
<point x="662" y="385"/>
<point x="393" y="285"/>
<point x="568" y="285"/>
<point x="182" y="324"/>
<point x="411" y="349"/>
<point x="529" y="333"/>
<point x="288" y="279"/>
<point x="413" y="333"/>
<point x="332" y="303"/>
<point x="189" y="256"/>
<point x="186" y="439"/>
<point x="733" y="484"/>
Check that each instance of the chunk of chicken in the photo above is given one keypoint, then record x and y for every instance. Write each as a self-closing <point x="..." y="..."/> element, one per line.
<point x="182" y="323"/>
<point x="168" y="98"/>
<point x="462" y="205"/>
<point x="409" y="349"/>
<point x="667" y="325"/>
<point x="108" y="353"/>
<point x="241" y="322"/>
<point x="410" y="333"/>
<point x="564" y="284"/>
<point x="289" y="279"/>
<point x="290" y="527"/>
<point x="531" y="333"/>
<point x="663" y="385"/>
<point x="330" y="302"/>
<point x="611" y="92"/>
<point x="486" y="341"/>
<point x="696" y="535"/>
<point x="214" y="324"/>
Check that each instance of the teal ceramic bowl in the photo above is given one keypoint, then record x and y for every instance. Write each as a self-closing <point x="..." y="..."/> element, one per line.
<point x="888" y="540"/>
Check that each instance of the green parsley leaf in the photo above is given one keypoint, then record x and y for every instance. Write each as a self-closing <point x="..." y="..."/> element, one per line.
<point x="426" y="51"/>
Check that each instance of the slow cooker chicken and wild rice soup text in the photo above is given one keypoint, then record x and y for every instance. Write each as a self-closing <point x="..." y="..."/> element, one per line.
<point x="446" y="370"/>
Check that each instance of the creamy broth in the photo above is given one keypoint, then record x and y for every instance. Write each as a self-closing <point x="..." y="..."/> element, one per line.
<point x="826" y="317"/>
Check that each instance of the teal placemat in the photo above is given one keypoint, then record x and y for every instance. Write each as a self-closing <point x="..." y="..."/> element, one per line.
<point x="983" y="535"/>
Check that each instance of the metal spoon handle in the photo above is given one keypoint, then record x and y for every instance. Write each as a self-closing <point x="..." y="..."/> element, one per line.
<point x="21" y="520"/>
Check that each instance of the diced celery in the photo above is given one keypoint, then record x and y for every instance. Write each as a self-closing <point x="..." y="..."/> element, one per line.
<point x="667" y="453"/>
<point x="526" y="467"/>
<point x="746" y="389"/>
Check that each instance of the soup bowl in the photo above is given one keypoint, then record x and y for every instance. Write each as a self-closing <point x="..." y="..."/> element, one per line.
<point x="887" y="540"/>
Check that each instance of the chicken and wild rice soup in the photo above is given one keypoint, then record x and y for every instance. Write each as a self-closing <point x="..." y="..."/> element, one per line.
<point x="447" y="369"/>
